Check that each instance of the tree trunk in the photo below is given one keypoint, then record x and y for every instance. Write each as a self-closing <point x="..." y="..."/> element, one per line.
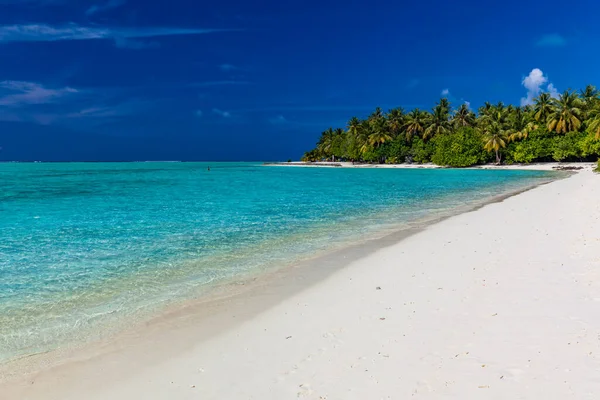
<point x="497" y="157"/>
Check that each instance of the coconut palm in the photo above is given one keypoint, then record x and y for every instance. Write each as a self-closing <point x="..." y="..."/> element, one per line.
<point x="494" y="138"/>
<point x="590" y="96"/>
<point x="395" y="120"/>
<point x="594" y="121"/>
<point x="485" y="109"/>
<point x="379" y="133"/>
<point x="437" y="122"/>
<point x="363" y="136"/>
<point x="463" y="117"/>
<point x="337" y="143"/>
<point x="353" y="138"/>
<point x="528" y="109"/>
<point x="543" y="107"/>
<point x="498" y="123"/>
<point x="415" y="123"/>
<point x="326" y="142"/>
<point x="377" y="114"/>
<point x="353" y="126"/>
<point x="519" y="124"/>
<point x="444" y="103"/>
<point x="497" y="114"/>
<point x="567" y="114"/>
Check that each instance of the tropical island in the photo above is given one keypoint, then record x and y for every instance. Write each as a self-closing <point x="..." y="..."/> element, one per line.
<point x="561" y="128"/>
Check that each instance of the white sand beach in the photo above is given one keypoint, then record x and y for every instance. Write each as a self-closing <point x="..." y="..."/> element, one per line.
<point x="546" y="166"/>
<point x="499" y="303"/>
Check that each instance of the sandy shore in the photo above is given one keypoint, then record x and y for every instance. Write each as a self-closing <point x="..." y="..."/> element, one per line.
<point x="499" y="303"/>
<point x="548" y="166"/>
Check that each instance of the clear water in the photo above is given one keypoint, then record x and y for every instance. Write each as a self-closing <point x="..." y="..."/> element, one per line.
<point x="84" y="245"/>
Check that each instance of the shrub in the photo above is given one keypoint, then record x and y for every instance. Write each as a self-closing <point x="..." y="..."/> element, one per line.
<point x="396" y="150"/>
<point x="589" y="146"/>
<point x="566" y="147"/>
<point x="462" y="148"/>
<point x="532" y="149"/>
<point x="421" y="151"/>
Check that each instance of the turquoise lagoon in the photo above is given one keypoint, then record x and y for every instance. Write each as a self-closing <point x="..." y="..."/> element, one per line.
<point x="86" y="245"/>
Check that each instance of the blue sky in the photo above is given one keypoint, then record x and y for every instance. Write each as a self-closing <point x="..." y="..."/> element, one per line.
<point x="241" y="80"/>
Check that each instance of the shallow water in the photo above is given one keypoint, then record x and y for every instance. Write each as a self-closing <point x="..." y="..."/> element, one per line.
<point x="85" y="245"/>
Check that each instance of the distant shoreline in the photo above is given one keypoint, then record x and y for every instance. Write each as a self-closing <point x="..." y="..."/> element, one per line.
<point x="548" y="166"/>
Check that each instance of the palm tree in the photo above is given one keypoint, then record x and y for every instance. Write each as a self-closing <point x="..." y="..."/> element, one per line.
<point x="567" y="113"/>
<point x="415" y="123"/>
<point x="437" y="122"/>
<point x="543" y="107"/>
<point x="497" y="114"/>
<point x="498" y="123"/>
<point x="463" y="117"/>
<point x="363" y="136"/>
<point x="353" y="126"/>
<point x="590" y="96"/>
<point x="395" y="120"/>
<point x="377" y="114"/>
<point x="444" y="103"/>
<point x="485" y="109"/>
<point x="594" y="121"/>
<point x="520" y="124"/>
<point x="354" y="138"/>
<point x="325" y="142"/>
<point x="379" y="134"/>
<point x="337" y="143"/>
<point x="494" y="138"/>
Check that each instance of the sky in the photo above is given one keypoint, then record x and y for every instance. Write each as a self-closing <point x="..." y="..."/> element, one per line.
<point x="233" y="80"/>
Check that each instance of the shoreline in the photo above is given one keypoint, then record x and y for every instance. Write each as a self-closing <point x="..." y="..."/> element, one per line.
<point x="549" y="166"/>
<point x="238" y="288"/>
<point x="224" y="311"/>
<point x="103" y="332"/>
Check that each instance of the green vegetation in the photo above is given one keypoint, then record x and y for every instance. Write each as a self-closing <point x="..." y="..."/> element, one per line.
<point x="566" y="128"/>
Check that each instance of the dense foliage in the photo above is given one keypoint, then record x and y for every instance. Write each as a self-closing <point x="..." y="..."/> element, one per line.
<point x="566" y="128"/>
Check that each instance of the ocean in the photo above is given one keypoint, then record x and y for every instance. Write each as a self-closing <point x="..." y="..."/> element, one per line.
<point x="88" y="246"/>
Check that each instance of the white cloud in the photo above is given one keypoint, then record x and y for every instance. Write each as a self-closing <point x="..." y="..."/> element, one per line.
<point x="445" y="92"/>
<point x="95" y="112"/>
<point x="552" y="90"/>
<point x="198" y="113"/>
<point x="42" y="32"/>
<point x="468" y="104"/>
<point x="112" y="110"/>
<point x="224" y="114"/>
<point x="534" y="80"/>
<point x="17" y="93"/>
<point x="49" y="33"/>
<point x="535" y="83"/>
